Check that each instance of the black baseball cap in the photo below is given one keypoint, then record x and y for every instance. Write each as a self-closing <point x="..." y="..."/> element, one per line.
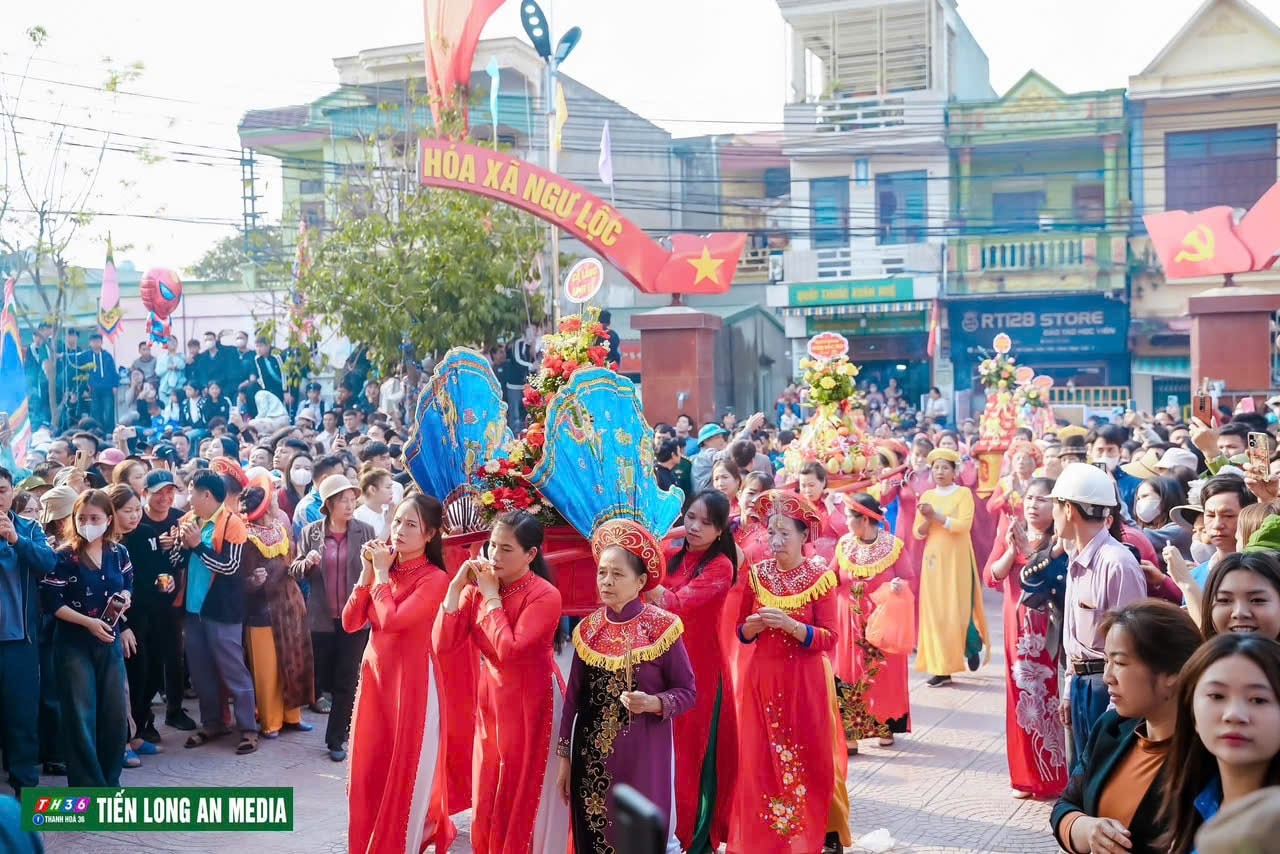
<point x="158" y="480"/>
<point x="313" y="386"/>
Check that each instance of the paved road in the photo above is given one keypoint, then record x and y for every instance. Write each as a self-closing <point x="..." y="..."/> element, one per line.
<point x="943" y="788"/>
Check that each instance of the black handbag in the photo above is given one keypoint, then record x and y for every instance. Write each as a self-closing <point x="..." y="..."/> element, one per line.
<point x="1044" y="581"/>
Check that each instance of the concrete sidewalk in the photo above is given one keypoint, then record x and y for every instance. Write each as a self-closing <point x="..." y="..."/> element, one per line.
<point x="943" y="788"/>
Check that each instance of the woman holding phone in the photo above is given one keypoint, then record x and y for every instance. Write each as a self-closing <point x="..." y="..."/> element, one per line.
<point x="88" y="591"/>
<point x="128" y="513"/>
<point x="1037" y="747"/>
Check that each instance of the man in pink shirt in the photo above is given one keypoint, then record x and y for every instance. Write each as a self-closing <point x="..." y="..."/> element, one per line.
<point x="1103" y="575"/>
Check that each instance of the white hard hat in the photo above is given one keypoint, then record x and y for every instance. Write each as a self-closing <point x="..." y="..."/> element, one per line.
<point x="1178" y="457"/>
<point x="1085" y="484"/>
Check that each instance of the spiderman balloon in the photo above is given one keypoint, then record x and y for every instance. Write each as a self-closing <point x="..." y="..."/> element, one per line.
<point x="161" y="291"/>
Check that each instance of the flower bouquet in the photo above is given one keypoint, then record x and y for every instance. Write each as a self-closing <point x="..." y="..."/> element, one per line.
<point x="998" y="375"/>
<point x="831" y="383"/>
<point x="503" y="482"/>
<point x="1032" y="399"/>
<point x="504" y="487"/>
<point x="835" y="434"/>
<point x="575" y="345"/>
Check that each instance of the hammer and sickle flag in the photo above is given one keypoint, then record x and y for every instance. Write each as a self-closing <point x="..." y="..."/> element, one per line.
<point x="1199" y="244"/>
<point x="1212" y="242"/>
<point x="1203" y="243"/>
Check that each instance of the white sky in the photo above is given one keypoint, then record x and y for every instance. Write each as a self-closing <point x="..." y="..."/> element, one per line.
<point x="693" y="66"/>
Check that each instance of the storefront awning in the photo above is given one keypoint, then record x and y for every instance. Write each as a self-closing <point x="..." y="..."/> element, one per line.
<point x="847" y="309"/>
<point x="1161" y="366"/>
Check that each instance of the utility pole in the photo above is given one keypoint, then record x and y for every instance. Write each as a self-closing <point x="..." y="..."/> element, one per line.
<point x="538" y="28"/>
<point x="553" y="163"/>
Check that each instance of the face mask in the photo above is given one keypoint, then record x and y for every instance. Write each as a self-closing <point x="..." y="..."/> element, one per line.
<point x="1201" y="552"/>
<point x="1147" y="509"/>
<point x="181" y="500"/>
<point x="300" y="477"/>
<point x="1109" y="462"/>
<point x="91" y="533"/>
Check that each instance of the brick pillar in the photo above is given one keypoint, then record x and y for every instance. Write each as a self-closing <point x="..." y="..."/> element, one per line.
<point x="677" y="357"/>
<point x="1231" y="337"/>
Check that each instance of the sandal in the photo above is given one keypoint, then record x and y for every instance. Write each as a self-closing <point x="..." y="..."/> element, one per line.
<point x="202" y="737"/>
<point x="322" y="706"/>
<point x="248" y="743"/>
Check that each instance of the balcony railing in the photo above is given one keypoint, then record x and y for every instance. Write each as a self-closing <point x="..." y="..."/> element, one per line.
<point x="1034" y="253"/>
<point x="1040" y="251"/>
<point x="1094" y="397"/>
<point x="753" y="268"/>
<point x="850" y="114"/>
<point x="861" y="261"/>
<point x="1036" y="261"/>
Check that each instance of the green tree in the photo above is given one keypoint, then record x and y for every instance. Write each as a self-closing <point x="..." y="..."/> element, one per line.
<point x="49" y="185"/>
<point x="404" y="265"/>
<point x="446" y="269"/>
<point x="264" y="246"/>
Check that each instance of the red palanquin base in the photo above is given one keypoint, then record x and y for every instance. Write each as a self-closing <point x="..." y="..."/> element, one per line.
<point x="567" y="553"/>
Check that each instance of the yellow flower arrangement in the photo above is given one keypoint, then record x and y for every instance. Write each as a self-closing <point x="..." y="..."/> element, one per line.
<point x="830" y="381"/>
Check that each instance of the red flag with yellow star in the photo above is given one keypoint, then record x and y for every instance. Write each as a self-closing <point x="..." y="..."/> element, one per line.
<point x="701" y="264"/>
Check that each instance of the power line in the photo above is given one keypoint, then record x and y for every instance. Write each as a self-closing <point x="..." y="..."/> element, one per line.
<point x="616" y="111"/>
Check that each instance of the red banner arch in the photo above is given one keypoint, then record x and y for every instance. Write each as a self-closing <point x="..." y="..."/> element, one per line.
<point x="691" y="264"/>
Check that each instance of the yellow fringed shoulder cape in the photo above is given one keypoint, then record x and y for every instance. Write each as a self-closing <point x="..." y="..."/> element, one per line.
<point x="270" y="540"/>
<point x="789" y="591"/>
<point x="614" y="646"/>
<point x="867" y="560"/>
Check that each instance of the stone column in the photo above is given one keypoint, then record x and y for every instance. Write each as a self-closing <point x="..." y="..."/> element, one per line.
<point x="959" y="248"/>
<point x="964" y="164"/>
<point x="1111" y="178"/>
<point x="798" y="69"/>
<point x="677" y="363"/>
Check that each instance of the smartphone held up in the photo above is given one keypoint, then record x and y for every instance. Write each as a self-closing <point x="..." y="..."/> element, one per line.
<point x="115" y="609"/>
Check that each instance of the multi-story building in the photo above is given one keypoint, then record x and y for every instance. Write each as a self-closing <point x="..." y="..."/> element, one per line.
<point x="1041" y="217"/>
<point x="326" y="147"/>
<point x="865" y="133"/>
<point x="1204" y="116"/>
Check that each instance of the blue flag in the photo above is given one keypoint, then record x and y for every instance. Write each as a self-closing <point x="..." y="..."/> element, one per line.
<point x="13" y="384"/>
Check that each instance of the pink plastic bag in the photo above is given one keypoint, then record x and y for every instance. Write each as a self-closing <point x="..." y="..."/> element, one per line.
<point x="891" y="628"/>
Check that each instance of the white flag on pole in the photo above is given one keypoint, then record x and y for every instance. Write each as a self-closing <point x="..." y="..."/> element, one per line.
<point x="606" y="156"/>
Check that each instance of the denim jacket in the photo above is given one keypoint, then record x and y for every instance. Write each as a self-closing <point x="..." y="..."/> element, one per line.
<point x="30" y="559"/>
